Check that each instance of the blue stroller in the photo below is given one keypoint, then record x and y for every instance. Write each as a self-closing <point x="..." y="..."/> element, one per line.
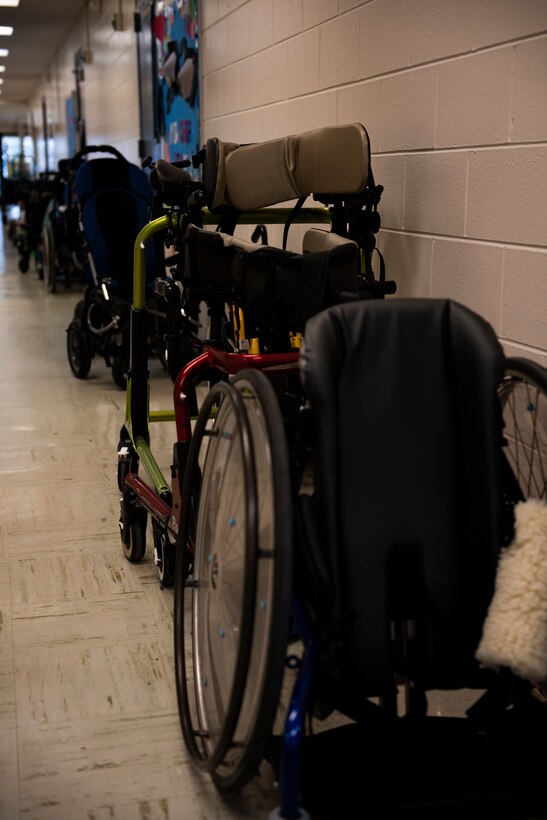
<point x="109" y="202"/>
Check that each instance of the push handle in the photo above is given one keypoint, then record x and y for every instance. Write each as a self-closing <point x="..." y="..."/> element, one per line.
<point x="94" y="149"/>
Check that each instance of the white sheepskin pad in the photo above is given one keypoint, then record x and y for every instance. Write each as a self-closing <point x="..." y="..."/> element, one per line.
<point x="515" y="629"/>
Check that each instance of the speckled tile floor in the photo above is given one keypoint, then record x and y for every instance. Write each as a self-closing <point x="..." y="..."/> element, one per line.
<point x="88" y="715"/>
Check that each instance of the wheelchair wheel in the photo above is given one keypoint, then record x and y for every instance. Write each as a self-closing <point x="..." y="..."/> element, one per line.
<point x="523" y="394"/>
<point x="232" y="611"/>
<point x="120" y="369"/>
<point x="79" y="344"/>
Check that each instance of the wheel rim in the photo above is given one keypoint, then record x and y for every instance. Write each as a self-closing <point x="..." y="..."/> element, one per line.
<point x="229" y="740"/>
<point x="524" y="402"/>
<point x="223" y="576"/>
<point x="272" y="596"/>
<point x="213" y="626"/>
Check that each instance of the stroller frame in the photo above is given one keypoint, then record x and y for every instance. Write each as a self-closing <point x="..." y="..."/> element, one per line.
<point x="100" y="323"/>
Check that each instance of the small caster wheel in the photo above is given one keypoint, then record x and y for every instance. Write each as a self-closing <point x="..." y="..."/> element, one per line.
<point x="133" y="519"/>
<point x="164" y="555"/>
<point x="128" y="460"/>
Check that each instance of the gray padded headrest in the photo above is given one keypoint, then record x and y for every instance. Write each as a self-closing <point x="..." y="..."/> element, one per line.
<point x="331" y="160"/>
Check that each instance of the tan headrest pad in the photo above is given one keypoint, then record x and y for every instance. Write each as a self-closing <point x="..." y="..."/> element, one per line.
<point x="224" y="150"/>
<point x="261" y="174"/>
<point x="333" y="160"/>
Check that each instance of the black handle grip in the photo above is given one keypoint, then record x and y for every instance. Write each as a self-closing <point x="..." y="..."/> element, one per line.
<point x="169" y="289"/>
<point x="95" y="149"/>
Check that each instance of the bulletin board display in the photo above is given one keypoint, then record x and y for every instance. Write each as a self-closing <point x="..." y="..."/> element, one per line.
<point x="176" y="37"/>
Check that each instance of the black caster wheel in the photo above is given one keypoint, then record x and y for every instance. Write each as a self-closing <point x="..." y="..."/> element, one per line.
<point x="78" y="344"/>
<point x="128" y="460"/>
<point x="133" y="520"/>
<point x="164" y="554"/>
<point x="120" y="369"/>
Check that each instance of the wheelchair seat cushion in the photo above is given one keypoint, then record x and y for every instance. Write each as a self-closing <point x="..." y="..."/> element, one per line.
<point x="409" y="435"/>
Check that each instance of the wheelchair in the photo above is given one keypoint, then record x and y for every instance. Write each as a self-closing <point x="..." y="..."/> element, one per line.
<point x="336" y="513"/>
<point x="29" y="239"/>
<point x="110" y="201"/>
<point x="62" y="249"/>
<point x="380" y="565"/>
<point x="257" y="297"/>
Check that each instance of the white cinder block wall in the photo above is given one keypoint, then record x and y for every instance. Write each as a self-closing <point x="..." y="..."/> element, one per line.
<point x="110" y="88"/>
<point x="454" y="97"/>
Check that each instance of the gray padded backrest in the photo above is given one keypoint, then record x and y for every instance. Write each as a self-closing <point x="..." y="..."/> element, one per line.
<point x="333" y="160"/>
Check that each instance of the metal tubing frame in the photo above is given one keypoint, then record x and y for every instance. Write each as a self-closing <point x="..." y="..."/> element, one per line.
<point x="138" y="392"/>
<point x="289" y="764"/>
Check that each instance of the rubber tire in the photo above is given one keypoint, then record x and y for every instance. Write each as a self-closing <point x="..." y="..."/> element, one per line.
<point x="230" y="435"/>
<point x="78" y="344"/>
<point x="166" y="553"/>
<point x="270" y="639"/>
<point x="133" y="536"/>
<point x="120" y="369"/>
<point x="233" y="764"/>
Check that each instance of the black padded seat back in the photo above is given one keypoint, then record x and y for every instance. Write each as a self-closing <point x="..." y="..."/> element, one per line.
<point x="270" y="284"/>
<point x="408" y="433"/>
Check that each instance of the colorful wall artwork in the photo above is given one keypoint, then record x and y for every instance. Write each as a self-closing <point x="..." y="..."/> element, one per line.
<point x="175" y="30"/>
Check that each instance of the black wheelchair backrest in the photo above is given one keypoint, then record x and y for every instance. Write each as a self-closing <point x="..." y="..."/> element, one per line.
<point x="269" y="283"/>
<point x="409" y="435"/>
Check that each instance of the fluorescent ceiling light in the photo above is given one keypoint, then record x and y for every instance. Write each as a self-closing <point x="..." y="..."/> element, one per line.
<point x="2" y="68"/>
<point x="4" y="52"/>
<point x="7" y="30"/>
<point x="12" y="3"/>
<point x="1" y="80"/>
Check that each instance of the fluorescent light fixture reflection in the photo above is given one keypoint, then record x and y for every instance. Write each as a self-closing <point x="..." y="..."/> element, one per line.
<point x="4" y="52"/>
<point x="7" y="30"/>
